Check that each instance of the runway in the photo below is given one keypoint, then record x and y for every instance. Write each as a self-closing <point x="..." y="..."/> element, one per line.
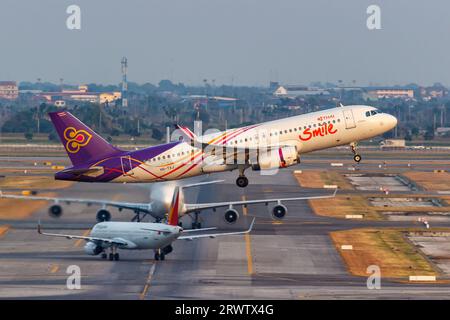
<point x="291" y="259"/>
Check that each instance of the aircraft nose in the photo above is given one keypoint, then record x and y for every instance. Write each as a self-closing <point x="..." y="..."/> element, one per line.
<point x="392" y="121"/>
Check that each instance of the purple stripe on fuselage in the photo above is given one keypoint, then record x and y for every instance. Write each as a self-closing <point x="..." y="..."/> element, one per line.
<point x="113" y="165"/>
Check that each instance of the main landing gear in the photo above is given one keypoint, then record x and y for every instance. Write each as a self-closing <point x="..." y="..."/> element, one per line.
<point x="196" y="224"/>
<point x="242" y="180"/>
<point x="356" y="156"/>
<point x="160" y="255"/>
<point x="112" y="256"/>
<point x="137" y="216"/>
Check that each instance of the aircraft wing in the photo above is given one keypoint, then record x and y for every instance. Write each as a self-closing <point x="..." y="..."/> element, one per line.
<point x="142" y="207"/>
<point x="214" y="235"/>
<point x="203" y="206"/>
<point x="93" y="239"/>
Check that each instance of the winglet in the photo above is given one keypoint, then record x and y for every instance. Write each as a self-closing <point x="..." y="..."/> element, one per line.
<point x="251" y="226"/>
<point x="201" y="183"/>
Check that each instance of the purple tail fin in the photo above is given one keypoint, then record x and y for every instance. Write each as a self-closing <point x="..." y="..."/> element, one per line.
<point x="81" y="142"/>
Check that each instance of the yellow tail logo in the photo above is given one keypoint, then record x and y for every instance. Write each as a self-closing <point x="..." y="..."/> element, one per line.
<point x="76" y="139"/>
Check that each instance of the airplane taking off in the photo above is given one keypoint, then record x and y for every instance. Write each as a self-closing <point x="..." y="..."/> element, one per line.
<point x="270" y="145"/>
<point x="140" y="236"/>
<point x="159" y="208"/>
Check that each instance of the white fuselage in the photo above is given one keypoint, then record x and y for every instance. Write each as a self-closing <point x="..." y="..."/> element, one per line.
<point x="140" y="235"/>
<point x="308" y="132"/>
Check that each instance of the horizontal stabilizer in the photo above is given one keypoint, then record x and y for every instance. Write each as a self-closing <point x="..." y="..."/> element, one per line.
<point x="85" y="171"/>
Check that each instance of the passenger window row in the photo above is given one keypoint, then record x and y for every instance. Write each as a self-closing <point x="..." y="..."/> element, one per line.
<point x="182" y="153"/>
<point x="287" y="131"/>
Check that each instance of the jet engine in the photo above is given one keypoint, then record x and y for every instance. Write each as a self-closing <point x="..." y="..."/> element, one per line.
<point x="279" y="211"/>
<point x="276" y="158"/>
<point x="231" y="216"/>
<point x="55" y="211"/>
<point x="103" y="215"/>
<point x="92" y="249"/>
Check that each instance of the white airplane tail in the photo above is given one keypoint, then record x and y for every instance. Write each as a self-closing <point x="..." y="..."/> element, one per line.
<point x="177" y="204"/>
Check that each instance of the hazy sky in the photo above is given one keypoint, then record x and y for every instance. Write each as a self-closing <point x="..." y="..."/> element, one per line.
<point x="245" y="41"/>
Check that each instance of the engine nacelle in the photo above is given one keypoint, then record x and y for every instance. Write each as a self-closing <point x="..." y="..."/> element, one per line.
<point x="103" y="215"/>
<point x="277" y="158"/>
<point x="92" y="249"/>
<point x="55" y="211"/>
<point x="231" y="216"/>
<point x="279" y="211"/>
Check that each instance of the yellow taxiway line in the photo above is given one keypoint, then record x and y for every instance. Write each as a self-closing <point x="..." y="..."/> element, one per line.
<point x="147" y="282"/>
<point x="4" y="230"/>
<point x="54" y="269"/>
<point x="248" y="246"/>
<point x="80" y="241"/>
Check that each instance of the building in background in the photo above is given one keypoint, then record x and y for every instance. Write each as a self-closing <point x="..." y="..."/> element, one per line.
<point x="380" y="93"/>
<point x="436" y="91"/>
<point x="82" y="94"/>
<point x="9" y="90"/>
<point x="293" y="91"/>
<point x="442" y="132"/>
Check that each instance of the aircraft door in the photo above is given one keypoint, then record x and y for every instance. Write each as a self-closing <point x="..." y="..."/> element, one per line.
<point x="349" y="119"/>
<point x="126" y="165"/>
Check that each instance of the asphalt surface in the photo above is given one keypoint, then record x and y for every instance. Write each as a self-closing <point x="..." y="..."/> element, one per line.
<point x="291" y="259"/>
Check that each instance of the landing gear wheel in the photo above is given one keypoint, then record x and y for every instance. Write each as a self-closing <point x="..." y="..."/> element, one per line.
<point x="116" y="256"/>
<point x="104" y="256"/>
<point x="111" y="257"/>
<point x="156" y="256"/>
<point x="162" y="256"/>
<point x="357" y="158"/>
<point x="242" y="182"/>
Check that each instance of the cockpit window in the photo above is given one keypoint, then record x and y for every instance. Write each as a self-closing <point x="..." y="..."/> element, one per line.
<point x="374" y="112"/>
<point x="368" y="114"/>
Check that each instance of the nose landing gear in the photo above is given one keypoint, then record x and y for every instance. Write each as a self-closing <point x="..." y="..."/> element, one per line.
<point x="242" y="180"/>
<point x="356" y="156"/>
<point x="112" y="256"/>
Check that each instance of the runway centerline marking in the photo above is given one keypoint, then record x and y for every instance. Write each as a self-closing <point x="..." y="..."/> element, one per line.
<point x="248" y="247"/>
<point x="147" y="282"/>
<point x="80" y="241"/>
